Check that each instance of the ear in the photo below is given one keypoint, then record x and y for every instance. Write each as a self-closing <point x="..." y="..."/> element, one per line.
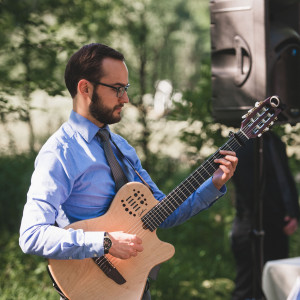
<point x="84" y="88"/>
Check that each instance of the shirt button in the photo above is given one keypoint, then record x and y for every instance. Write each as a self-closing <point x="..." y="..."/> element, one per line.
<point x="95" y="255"/>
<point x="70" y="257"/>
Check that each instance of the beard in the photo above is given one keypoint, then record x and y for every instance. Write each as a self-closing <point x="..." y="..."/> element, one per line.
<point x="102" y="113"/>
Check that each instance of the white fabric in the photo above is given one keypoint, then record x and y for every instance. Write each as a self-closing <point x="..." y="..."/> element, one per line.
<point x="280" y="279"/>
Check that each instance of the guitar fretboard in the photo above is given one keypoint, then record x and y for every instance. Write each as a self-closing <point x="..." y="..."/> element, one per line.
<point x="175" y="198"/>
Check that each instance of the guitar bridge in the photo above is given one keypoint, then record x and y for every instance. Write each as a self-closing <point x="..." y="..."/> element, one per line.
<point x="109" y="269"/>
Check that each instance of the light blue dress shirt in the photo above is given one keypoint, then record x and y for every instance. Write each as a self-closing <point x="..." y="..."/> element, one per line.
<point x="72" y="181"/>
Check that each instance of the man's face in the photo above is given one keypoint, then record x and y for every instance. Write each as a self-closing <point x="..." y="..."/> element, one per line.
<point x="106" y="107"/>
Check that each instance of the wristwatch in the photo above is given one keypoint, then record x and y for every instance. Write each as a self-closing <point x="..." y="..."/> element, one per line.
<point x="106" y="243"/>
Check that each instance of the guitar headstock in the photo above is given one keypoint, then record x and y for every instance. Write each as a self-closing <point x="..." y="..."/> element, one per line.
<point x="261" y="117"/>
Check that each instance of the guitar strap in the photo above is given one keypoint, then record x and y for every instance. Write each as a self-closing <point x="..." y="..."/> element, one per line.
<point x="154" y="272"/>
<point x="132" y="166"/>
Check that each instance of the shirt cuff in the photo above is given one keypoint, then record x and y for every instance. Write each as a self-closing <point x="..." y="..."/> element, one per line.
<point x="94" y="243"/>
<point x="211" y="191"/>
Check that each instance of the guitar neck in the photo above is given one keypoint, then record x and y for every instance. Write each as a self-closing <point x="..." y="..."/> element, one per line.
<point x="175" y="198"/>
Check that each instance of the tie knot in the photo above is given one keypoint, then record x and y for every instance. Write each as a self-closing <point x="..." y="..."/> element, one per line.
<point x="103" y="134"/>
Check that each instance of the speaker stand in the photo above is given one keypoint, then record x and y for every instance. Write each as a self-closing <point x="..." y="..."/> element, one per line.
<point x="257" y="221"/>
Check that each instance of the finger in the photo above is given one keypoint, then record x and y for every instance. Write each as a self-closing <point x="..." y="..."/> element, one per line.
<point x="228" y="161"/>
<point x="225" y="169"/>
<point x="227" y="152"/>
<point x="232" y="159"/>
<point x="224" y="162"/>
<point x="229" y="155"/>
<point x="227" y="173"/>
<point x="139" y="247"/>
<point x="136" y="240"/>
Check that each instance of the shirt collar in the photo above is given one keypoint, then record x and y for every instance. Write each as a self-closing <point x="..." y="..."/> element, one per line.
<point x="83" y="126"/>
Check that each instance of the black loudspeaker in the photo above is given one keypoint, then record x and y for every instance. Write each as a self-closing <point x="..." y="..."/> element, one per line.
<point x="255" y="54"/>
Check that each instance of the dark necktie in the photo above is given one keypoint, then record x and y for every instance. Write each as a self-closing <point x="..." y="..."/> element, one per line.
<point x="116" y="169"/>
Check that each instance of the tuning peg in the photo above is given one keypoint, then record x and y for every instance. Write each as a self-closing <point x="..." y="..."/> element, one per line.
<point x="271" y="124"/>
<point x="247" y="114"/>
<point x="257" y="104"/>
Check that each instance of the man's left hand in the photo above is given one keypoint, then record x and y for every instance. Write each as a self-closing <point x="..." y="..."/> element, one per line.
<point x="226" y="169"/>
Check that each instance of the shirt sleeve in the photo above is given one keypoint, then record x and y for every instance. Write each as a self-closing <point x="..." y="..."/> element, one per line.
<point x="204" y="197"/>
<point x="51" y="184"/>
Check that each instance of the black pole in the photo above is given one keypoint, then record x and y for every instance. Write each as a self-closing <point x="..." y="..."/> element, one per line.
<point x="257" y="225"/>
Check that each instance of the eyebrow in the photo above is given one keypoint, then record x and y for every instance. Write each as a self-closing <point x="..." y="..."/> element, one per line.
<point x="120" y="84"/>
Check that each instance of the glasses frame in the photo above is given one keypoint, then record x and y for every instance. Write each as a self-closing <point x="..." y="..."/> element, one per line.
<point x="120" y="90"/>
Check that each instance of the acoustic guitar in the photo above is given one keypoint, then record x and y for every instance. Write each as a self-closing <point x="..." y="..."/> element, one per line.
<point x="134" y="210"/>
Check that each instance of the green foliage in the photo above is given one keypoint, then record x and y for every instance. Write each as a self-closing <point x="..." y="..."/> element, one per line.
<point x="15" y="174"/>
<point x="22" y="276"/>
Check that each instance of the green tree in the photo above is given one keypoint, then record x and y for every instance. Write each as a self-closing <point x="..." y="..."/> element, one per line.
<point x="162" y="40"/>
<point x="31" y="55"/>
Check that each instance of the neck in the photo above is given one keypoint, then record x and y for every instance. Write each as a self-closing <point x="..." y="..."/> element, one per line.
<point x="83" y="109"/>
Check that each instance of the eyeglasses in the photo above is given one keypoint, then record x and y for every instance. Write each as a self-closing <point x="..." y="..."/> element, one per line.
<point x="120" y="90"/>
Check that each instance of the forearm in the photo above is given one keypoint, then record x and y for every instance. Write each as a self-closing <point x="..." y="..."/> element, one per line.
<point x="39" y="237"/>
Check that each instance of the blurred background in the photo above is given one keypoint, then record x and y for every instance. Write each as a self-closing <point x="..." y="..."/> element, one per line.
<point x="171" y="121"/>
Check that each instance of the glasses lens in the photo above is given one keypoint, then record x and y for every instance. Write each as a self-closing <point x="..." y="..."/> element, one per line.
<point x="122" y="90"/>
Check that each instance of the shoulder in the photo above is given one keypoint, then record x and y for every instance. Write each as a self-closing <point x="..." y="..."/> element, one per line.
<point x="60" y="139"/>
<point x="64" y="147"/>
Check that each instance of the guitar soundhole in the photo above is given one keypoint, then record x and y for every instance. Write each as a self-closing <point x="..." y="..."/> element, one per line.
<point x="133" y="205"/>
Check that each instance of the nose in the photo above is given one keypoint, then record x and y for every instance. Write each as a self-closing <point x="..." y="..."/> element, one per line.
<point x="124" y="98"/>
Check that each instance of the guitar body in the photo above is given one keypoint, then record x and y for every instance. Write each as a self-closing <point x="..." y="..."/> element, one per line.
<point x="83" y="279"/>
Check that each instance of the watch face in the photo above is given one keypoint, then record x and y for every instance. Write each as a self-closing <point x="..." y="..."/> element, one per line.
<point x="106" y="244"/>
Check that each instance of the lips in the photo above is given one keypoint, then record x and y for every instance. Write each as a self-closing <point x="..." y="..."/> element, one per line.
<point x="118" y="108"/>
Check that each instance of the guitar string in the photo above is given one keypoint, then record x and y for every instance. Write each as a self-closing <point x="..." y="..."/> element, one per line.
<point x="195" y="176"/>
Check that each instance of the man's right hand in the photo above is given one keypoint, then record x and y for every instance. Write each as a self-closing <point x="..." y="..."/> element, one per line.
<point x="124" y="245"/>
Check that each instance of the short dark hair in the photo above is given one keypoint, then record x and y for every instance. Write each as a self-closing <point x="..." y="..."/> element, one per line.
<point x="86" y="64"/>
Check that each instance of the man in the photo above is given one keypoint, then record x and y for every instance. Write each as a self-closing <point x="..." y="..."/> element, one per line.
<point x="280" y="213"/>
<point x="72" y="179"/>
